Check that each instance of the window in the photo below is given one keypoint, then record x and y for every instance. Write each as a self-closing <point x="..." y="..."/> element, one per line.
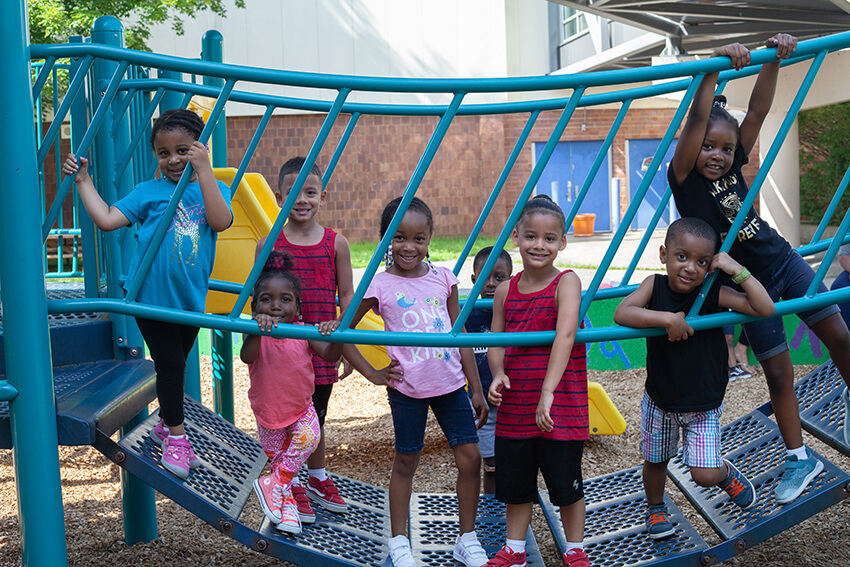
<point x="573" y="22"/>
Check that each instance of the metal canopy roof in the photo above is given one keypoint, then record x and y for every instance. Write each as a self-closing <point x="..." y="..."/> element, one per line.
<point x="698" y="26"/>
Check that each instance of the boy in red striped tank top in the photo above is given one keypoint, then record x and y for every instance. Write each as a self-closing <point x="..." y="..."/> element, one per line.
<point x="541" y="391"/>
<point x="322" y="263"/>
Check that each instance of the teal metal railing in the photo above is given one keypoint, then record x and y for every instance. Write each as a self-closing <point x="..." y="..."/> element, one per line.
<point x="139" y="95"/>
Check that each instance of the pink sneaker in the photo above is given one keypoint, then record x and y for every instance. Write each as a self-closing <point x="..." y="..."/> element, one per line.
<point x="175" y="456"/>
<point x="326" y="494"/>
<point x="576" y="558"/>
<point x="305" y="510"/>
<point x="289" y="521"/>
<point x="507" y="558"/>
<point x="270" y="494"/>
<point x="160" y="432"/>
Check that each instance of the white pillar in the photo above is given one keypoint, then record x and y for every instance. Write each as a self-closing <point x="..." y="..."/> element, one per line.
<point x="780" y="194"/>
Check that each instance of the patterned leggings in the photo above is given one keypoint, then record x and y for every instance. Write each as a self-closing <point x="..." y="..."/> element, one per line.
<point x="288" y="448"/>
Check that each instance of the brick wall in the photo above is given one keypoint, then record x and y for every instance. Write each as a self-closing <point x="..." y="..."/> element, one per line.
<point x="383" y="152"/>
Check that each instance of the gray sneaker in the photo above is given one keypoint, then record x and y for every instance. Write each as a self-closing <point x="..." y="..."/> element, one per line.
<point x="798" y="474"/>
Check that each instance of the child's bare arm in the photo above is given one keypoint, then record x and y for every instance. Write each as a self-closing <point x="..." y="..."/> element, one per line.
<point x="632" y="312"/>
<point x="387" y="376"/>
<point x="328" y="351"/>
<point x="219" y="215"/>
<point x="693" y="133"/>
<point x="259" y="247"/>
<point x="754" y="301"/>
<point x="344" y="275"/>
<point x="568" y="296"/>
<point x="105" y="217"/>
<point x="761" y="97"/>
<point x="251" y="343"/>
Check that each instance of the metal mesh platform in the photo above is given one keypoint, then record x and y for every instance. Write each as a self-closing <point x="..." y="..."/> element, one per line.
<point x="615" y="534"/>
<point x="231" y="460"/>
<point x="754" y="445"/>
<point x="218" y="490"/>
<point x="821" y="406"/>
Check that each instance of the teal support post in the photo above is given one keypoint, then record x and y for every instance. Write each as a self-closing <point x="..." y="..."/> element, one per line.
<point x="222" y="371"/>
<point x="171" y="99"/>
<point x="221" y="342"/>
<point x="26" y="337"/>
<point x="138" y="499"/>
<point x="192" y="386"/>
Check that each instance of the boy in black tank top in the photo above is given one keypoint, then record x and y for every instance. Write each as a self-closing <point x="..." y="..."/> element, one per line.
<point x="689" y="400"/>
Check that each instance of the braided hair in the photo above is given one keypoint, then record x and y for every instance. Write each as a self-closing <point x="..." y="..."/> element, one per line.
<point x="279" y="265"/>
<point x="178" y="119"/>
<point x="545" y="205"/>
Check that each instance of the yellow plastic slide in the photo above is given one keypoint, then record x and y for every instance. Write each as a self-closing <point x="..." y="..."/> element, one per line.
<point x="255" y="210"/>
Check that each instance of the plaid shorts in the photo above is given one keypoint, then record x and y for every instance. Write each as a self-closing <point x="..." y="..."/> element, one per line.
<point x="659" y="432"/>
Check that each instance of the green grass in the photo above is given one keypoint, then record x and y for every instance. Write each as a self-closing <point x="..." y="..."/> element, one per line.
<point x="440" y="249"/>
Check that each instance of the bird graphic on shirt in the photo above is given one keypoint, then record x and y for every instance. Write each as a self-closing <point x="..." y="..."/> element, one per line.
<point x="402" y="301"/>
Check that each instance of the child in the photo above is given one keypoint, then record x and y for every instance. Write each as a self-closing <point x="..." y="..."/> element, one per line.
<point x="322" y="262"/>
<point x="179" y="275"/>
<point x="479" y="322"/>
<point x="693" y="400"/>
<point x="287" y="424"/>
<point x="551" y="378"/>
<point x="705" y="176"/>
<point x="412" y="295"/>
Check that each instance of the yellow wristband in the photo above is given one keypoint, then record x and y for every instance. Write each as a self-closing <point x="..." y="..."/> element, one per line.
<point x="741" y="276"/>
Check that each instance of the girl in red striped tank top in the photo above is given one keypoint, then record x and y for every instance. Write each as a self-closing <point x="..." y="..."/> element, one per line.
<point x="541" y="391"/>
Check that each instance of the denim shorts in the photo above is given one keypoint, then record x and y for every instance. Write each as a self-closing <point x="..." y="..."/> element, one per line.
<point x="659" y="435"/>
<point x="789" y="281"/>
<point x="453" y="411"/>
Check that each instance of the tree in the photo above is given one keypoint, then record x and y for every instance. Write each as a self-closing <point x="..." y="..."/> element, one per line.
<point x="54" y="21"/>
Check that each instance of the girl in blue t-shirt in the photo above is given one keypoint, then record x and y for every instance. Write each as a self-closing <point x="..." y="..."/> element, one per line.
<point x="179" y="274"/>
<point x="707" y="183"/>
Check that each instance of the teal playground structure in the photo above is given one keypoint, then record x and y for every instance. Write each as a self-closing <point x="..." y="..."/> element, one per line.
<point x="72" y="360"/>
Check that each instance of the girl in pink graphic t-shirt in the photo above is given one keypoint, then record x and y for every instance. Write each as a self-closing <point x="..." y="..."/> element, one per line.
<point x="412" y="295"/>
<point x="282" y="402"/>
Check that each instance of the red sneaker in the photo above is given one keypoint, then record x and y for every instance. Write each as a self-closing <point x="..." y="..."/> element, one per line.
<point x="326" y="494"/>
<point x="576" y="558"/>
<point x="507" y="558"/>
<point x="305" y="511"/>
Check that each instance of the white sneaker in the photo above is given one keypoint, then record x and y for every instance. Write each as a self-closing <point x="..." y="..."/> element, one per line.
<point x="469" y="551"/>
<point x="400" y="552"/>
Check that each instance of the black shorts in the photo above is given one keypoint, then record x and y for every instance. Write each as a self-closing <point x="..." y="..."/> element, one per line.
<point x="321" y="396"/>
<point x="519" y="460"/>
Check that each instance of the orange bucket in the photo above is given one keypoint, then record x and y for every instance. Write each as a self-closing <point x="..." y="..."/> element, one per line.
<point x="583" y="224"/>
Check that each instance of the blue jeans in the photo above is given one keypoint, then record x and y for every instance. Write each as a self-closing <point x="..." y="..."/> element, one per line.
<point x="790" y="281"/>
<point x="453" y="411"/>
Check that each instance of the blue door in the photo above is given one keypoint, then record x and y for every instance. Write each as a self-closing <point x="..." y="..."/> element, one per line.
<point x="564" y="175"/>
<point x="640" y="154"/>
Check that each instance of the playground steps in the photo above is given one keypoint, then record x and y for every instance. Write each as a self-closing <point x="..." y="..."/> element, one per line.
<point x="218" y="491"/>
<point x="821" y="406"/>
<point x="615" y="533"/>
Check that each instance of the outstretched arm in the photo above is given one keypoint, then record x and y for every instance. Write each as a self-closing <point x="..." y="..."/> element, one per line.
<point x="690" y="140"/>
<point x="105" y="217"/>
<point x="496" y="355"/>
<point x="762" y="96"/>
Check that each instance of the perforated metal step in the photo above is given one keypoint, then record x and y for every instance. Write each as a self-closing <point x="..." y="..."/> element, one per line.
<point x="219" y="489"/>
<point x="615" y="534"/>
<point x="821" y="406"/>
<point x="754" y="445"/>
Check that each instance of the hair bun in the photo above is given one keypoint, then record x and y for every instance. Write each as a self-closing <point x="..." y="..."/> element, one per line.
<point x="719" y="100"/>
<point x="278" y="261"/>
